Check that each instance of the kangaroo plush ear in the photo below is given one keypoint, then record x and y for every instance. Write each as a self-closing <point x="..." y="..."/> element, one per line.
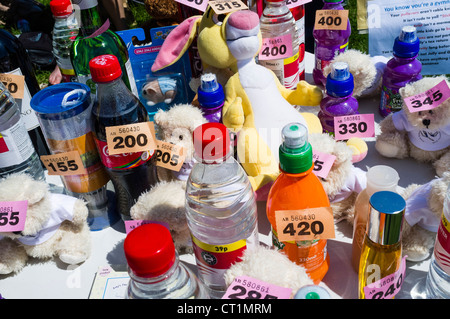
<point x="176" y="43"/>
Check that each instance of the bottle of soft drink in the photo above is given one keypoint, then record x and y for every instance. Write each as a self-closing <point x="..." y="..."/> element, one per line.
<point x="298" y="188"/>
<point x="17" y="154"/>
<point x="277" y="21"/>
<point x="338" y="100"/>
<point x="131" y="173"/>
<point x="328" y="43"/>
<point x="400" y="70"/>
<point x="14" y="59"/>
<point x="211" y="97"/>
<point x="438" y="279"/>
<point x="94" y="39"/>
<point x="298" y="13"/>
<point x="155" y="269"/>
<point x="65" y="31"/>
<point x="221" y="207"/>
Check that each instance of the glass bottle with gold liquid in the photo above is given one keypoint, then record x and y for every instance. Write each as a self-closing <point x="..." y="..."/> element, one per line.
<point x="382" y="247"/>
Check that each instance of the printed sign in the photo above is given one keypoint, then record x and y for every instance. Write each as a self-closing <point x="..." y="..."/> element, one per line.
<point x="429" y="99"/>
<point x="12" y="215"/>
<point x="132" y="224"/>
<point x="244" y="287"/>
<point x="131" y="138"/>
<point x="322" y="163"/>
<point x="225" y="6"/>
<point x="68" y="163"/>
<point x="357" y="125"/>
<point x="276" y="48"/>
<point x="196" y="4"/>
<point x="295" y="3"/>
<point x="331" y="20"/>
<point x="169" y="156"/>
<point x="14" y="84"/>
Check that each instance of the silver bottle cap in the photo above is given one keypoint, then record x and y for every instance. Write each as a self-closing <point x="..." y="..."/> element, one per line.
<point x="385" y="217"/>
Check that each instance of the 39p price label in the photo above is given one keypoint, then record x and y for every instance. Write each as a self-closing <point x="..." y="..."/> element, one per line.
<point x="276" y="48"/>
<point x="131" y="138"/>
<point x="357" y="125"/>
<point x="169" y="156"/>
<point x="331" y="20"/>
<point x="305" y="224"/>
<point x="68" y="163"/>
<point x="244" y="287"/>
<point x="12" y="215"/>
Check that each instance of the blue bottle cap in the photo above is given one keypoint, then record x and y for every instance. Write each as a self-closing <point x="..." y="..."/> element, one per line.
<point x="61" y="101"/>
<point x="407" y="44"/>
<point x="210" y="92"/>
<point x="340" y="80"/>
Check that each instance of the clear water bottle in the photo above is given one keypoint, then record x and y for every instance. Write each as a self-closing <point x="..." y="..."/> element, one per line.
<point x="17" y="154"/>
<point x="65" y="31"/>
<point x="438" y="279"/>
<point x="154" y="268"/>
<point x="277" y="21"/>
<point x="221" y="207"/>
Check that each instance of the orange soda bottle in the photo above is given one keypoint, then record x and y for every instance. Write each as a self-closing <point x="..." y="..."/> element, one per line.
<point x="298" y="188"/>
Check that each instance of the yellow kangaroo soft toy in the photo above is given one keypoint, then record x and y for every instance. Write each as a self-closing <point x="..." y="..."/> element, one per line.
<point x="256" y="105"/>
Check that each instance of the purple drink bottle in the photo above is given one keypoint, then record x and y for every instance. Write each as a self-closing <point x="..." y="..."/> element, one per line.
<point x="338" y="100"/>
<point x="402" y="69"/>
<point x="211" y="98"/>
<point x="328" y="43"/>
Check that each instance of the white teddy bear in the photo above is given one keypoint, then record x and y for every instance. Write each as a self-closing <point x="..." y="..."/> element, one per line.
<point x="55" y="225"/>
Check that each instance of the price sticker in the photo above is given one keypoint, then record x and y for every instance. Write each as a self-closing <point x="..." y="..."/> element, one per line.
<point x="429" y="99"/>
<point x="68" y="163"/>
<point x="244" y="287"/>
<point x="131" y="138"/>
<point x="196" y="4"/>
<point x="225" y="6"/>
<point x="305" y="224"/>
<point x="12" y="215"/>
<point x="387" y="287"/>
<point x="276" y="48"/>
<point x="322" y="163"/>
<point x="169" y="156"/>
<point x="295" y="3"/>
<point x="331" y="20"/>
<point x="357" y="125"/>
<point x="132" y="224"/>
<point x="14" y="83"/>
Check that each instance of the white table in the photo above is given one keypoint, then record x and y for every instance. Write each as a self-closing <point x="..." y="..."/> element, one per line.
<point x="52" y="279"/>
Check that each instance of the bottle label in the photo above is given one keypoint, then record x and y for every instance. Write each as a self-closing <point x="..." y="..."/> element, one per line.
<point x="68" y="75"/>
<point x="29" y="116"/>
<point x="391" y="100"/>
<point x="95" y="176"/>
<point x="322" y="61"/>
<point x="15" y="145"/>
<point x="214" y="260"/>
<point x="287" y="70"/>
<point x="442" y="245"/>
<point x="122" y="161"/>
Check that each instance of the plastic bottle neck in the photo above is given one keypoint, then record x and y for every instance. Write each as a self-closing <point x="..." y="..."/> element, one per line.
<point x="63" y="17"/>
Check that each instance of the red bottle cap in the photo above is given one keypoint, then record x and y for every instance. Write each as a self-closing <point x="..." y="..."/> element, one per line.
<point x="61" y="8"/>
<point x="105" y="68"/>
<point x="211" y="141"/>
<point x="149" y="250"/>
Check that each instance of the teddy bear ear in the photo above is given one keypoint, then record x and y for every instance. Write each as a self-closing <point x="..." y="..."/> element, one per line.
<point x="342" y="152"/>
<point x="160" y="118"/>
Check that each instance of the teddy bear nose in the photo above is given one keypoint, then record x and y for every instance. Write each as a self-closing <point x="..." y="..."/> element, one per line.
<point x="426" y="122"/>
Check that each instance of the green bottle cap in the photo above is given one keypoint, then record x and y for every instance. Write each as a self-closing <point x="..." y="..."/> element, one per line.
<point x="295" y="152"/>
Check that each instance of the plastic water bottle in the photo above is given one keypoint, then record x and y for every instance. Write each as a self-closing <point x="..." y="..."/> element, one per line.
<point x="155" y="269"/>
<point x="211" y="97"/>
<point x="221" y="207"/>
<point x="438" y="279"/>
<point x="277" y="21"/>
<point x="65" y="31"/>
<point x="299" y="16"/>
<point x="338" y="100"/>
<point x="17" y="154"/>
<point x="328" y="43"/>
<point x="400" y="70"/>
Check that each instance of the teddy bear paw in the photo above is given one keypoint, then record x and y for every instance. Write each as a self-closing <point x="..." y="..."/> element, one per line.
<point x="416" y="254"/>
<point x="73" y="258"/>
<point x="387" y="149"/>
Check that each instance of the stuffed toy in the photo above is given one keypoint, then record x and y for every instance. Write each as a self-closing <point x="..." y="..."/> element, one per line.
<point x="162" y="89"/>
<point x="165" y="202"/>
<point x="256" y="105"/>
<point x="424" y="136"/>
<point x="162" y="12"/>
<point x="423" y="213"/>
<point x="55" y="225"/>
<point x="344" y="181"/>
<point x="271" y="266"/>
<point x="367" y="71"/>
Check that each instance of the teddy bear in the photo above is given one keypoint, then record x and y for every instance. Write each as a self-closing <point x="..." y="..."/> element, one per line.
<point x="257" y="106"/>
<point x="422" y="135"/>
<point x="271" y="266"/>
<point x="165" y="201"/>
<point x="162" y="12"/>
<point x="344" y="181"/>
<point x="424" y="206"/>
<point x="55" y="225"/>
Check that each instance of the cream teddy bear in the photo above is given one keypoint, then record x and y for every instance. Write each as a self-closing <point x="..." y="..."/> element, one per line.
<point x="344" y="181"/>
<point x="165" y="202"/>
<point x="424" y="135"/>
<point x="424" y="206"/>
<point x="55" y="225"/>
